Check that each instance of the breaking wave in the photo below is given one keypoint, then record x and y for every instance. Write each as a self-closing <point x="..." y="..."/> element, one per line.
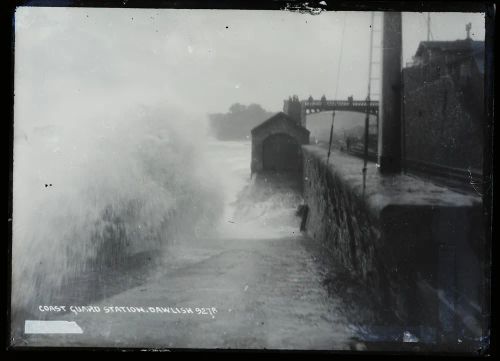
<point x="88" y="194"/>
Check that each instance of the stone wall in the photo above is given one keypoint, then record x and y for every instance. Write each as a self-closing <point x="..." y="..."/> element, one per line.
<point x="295" y="110"/>
<point x="442" y="125"/>
<point x="400" y="235"/>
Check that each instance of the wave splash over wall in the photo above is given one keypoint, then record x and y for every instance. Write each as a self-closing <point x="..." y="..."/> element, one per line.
<point x="262" y="206"/>
<point x="89" y="194"/>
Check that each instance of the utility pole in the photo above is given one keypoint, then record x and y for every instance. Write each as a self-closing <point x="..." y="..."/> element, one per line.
<point x="389" y="134"/>
<point x="367" y="114"/>
<point x="428" y="26"/>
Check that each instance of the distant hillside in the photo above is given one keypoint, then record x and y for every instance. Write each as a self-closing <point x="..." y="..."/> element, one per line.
<point x="238" y="122"/>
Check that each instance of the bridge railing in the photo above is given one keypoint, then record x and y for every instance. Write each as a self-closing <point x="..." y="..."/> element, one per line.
<point x="339" y="103"/>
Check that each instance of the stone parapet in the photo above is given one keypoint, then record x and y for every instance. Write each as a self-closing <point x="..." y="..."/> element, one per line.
<point x="418" y="246"/>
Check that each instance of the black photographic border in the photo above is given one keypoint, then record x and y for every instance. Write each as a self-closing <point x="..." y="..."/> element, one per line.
<point x="489" y="8"/>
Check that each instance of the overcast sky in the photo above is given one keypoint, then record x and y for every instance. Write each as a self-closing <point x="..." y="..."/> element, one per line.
<point x="84" y="60"/>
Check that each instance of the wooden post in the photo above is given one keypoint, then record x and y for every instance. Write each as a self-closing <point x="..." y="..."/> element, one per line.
<point x="389" y="134"/>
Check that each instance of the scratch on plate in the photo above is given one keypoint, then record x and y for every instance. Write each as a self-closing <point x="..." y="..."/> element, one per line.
<point x="304" y="8"/>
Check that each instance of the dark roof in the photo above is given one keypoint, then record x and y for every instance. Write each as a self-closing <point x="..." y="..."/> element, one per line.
<point x="282" y="116"/>
<point x="469" y="47"/>
<point x="457" y="45"/>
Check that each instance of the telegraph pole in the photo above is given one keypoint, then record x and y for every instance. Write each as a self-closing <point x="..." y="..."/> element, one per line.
<point x="389" y="135"/>
<point x="428" y="26"/>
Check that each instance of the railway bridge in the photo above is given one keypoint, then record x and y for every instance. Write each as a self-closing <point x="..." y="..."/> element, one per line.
<point x="299" y="109"/>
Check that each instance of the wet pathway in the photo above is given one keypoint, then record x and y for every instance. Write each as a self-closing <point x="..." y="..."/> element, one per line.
<point x="264" y="293"/>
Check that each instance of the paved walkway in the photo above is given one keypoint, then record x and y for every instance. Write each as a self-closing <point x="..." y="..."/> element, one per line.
<point x="267" y="293"/>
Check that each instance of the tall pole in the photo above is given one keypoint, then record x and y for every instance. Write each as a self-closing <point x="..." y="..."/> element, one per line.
<point x="367" y="115"/>
<point x="428" y="26"/>
<point x="389" y="135"/>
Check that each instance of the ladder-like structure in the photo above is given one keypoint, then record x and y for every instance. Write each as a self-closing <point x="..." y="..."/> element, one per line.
<point x="375" y="52"/>
<point x="375" y="44"/>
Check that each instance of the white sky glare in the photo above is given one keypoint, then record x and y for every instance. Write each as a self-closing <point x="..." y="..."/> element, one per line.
<point x="70" y="60"/>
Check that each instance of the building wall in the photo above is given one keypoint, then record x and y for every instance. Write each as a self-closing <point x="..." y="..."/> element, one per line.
<point x="441" y="124"/>
<point x="279" y="126"/>
<point x="281" y="152"/>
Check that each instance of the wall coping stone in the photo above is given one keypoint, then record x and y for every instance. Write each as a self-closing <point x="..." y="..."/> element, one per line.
<point x="383" y="191"/>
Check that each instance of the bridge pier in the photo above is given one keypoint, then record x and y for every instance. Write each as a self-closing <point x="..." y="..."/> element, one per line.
<point x="296" y="110"/>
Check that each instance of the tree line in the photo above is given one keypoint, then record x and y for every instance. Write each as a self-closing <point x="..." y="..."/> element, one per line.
<point x="238" y="122"/>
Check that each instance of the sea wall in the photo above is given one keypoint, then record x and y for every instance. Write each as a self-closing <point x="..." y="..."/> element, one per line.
<point x="417" y="246"/>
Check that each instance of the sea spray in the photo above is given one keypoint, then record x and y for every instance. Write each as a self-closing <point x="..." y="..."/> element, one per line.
<point x="88" y="193"/>
<point x="257" y="207"/>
